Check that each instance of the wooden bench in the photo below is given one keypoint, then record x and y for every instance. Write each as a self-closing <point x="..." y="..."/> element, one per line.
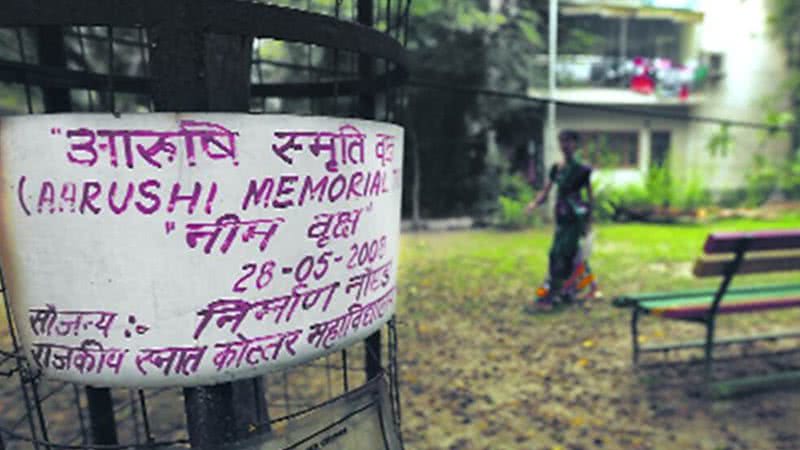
<point x="726" y="255"/>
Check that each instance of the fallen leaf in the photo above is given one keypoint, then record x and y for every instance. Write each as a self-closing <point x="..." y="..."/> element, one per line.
<point x="577" y="421"/>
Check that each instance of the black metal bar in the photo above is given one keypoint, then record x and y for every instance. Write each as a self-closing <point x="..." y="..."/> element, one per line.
<point x="39" y="413"/>
<point x="194" y="70"/>
<point x="388" y="29"/>
<point x="730" y="271"/>
<point x="286" y="391"/>
<point x="100" y="38"/>
<point x="730" y="358"/>
<point x="260" y="74"/>
<point x="145" y="419"/>
<point x="22" y="367"/>
<point x="82" y="47"/>
<point x="59" y="78"/>
<point x="635" y="334"/>
<point x="134" y="416"/>
<point x="373" y="355"/>
<point x="405" y="22"/>
<point x="309" y="71"/>
<point x="81" y="422"/>
<point x="111" y="100"/>
<point x="394" y="379"/>
<point x="209" y="417"/>
<point x="146" y="61"/>
<point x="328" y="375"/>
<point x="50" y="48"/>
<point x="211" y="16"/>
<point x="366" y="110"/>
<point x="366" y="63"/>
<point x="345" y="370"/>
<point x="379" y="407"/>
<point x="717" y="342"/>
<point x="260" y="403"/>
<point x="24" y="61"/>
<point x="101" y="416"/>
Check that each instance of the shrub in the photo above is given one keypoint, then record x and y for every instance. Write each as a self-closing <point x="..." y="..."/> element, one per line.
<point x="602" y="193"/>
<point x="761" y="180"/>
<point x="732" y="198"/>
<point x="789" y="181"/>
<point x="515" y="194"/>
<point x="659" y="189"/>
<point x="691" y="193"/>
<point x="659" y="186"/>
<point x="608" y="197"/>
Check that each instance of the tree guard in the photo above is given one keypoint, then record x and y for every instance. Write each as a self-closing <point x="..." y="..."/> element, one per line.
<point x="197" y="58"/>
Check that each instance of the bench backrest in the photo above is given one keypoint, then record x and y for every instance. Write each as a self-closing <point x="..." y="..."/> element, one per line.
<point x="757" y="245"/>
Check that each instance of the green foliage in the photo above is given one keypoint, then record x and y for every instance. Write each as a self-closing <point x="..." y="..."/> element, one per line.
<point x="491" y="185"/>
<point x="659" y="189"/>
<point x="691" y="193"/>
<point x="659" y="186"/>
<point x="765" y="177"/>
<point x="600" y="152"/>
<point x="512" y="214"/>
<point x="515" y="195"/>
<point x="789" y="180"/>
<point x="608" y="196"/>
<point x="784" y="22"/>
<point x="466" y="16"/>
<point x="721" y="142"/>
<point x="779" y="119"/>
<point x="732" y="198"/>
<point x="761" y="180"/>
<point x="580" y="41"/>
<point x="465" y="43"/>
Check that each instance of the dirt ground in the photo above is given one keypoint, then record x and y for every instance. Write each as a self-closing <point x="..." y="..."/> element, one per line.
<point x="567" y="382"/>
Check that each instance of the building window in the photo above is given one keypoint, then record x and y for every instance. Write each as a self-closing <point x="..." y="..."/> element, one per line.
<point x="610" y="149"/>
<point x="659" y="148"/>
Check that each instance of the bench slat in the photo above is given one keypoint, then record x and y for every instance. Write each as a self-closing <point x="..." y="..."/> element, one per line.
<point x="759" y="241"/>
<point x="731" y="296"/>
<point x="703" y="294"/>
<point x="753" y="384"/>
<point x="695" y="311"/>
<point x="736" y="340"/>
<point x="705" y="268"/>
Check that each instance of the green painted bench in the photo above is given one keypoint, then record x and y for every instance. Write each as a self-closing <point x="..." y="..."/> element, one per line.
<point x="726" y="255"/>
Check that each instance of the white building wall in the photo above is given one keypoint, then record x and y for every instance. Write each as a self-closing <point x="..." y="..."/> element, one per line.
<point x="754" y="68"/>
<point x="585" y="119"/>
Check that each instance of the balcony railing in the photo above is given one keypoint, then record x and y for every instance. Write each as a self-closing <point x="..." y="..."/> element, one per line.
<point x="657" y="77"/>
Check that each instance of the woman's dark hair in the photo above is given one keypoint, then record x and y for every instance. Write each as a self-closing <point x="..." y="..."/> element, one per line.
<point x="571" y="135"/>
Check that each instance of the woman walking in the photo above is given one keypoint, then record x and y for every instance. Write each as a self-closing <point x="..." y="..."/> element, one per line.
<point x="569" y="270"/>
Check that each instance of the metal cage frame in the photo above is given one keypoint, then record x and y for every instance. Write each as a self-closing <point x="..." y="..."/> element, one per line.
<point x="369" y="69"/>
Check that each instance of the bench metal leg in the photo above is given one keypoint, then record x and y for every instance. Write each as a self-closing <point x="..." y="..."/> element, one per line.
<point x="635" y="334"/>
<point x="709" y="349"/>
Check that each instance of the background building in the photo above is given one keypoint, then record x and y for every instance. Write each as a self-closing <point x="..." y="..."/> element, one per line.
<point x="640" y="69"/>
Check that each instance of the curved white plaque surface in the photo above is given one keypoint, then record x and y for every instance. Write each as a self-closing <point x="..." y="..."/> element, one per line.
<point x="185" y="249"/>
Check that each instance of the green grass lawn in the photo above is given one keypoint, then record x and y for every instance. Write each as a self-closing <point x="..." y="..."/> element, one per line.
<point x="478" y="373"/>
<point x="470" y="269"/>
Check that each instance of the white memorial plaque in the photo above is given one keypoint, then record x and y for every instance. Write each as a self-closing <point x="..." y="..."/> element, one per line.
<point x="187" y="249"/>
